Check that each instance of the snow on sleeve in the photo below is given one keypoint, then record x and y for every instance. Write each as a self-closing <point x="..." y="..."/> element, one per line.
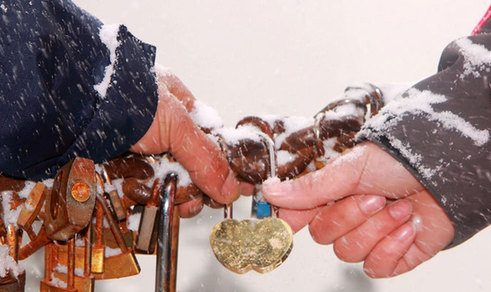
<point x="476" y="57"/>
<point x="7" y="263"/>
<point x="109" y="36"/>
<point x="420" y="103"/>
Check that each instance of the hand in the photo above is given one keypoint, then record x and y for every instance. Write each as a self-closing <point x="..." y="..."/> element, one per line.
<point x="174" y="131"/>
<point x="370" y="207"/>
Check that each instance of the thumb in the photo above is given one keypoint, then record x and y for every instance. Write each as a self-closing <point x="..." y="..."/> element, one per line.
<point x="366" y="169"/>
<point x="174" y="131"/>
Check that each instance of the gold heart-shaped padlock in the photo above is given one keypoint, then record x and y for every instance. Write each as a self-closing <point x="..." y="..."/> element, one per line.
<point x="258" y="244"/>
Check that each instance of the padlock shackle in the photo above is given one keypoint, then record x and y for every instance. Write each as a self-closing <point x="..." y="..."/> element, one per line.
<point x="167" y="236"/>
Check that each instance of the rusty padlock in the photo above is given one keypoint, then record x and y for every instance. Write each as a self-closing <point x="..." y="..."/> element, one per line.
<point x="70" y="204"/>
<point x="123" y="264"/>
<point x="67" y="267"/>
<point x="31" y="208"/>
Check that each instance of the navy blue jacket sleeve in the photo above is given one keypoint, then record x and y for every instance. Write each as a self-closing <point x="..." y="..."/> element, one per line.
<point x="70" y="86"/>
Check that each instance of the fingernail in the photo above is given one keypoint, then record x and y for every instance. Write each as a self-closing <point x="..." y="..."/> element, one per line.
<point x="404" y="232"/>
<point x="371" y="204"/>
<point x="400" y="210"/>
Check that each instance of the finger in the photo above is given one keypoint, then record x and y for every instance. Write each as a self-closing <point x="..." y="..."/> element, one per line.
<point x="297" y="219"/>
<point x="366" y="169"/>
<point x="175" y="86"/>
<point x="334" y="221"/>
<point x="388" y="253"/>
<point x="173" y="130"/>
<point x="191" y="208"/>
<point x="212" y="203"/>
<point x="246" y="189"/>
<point x="357" y="244"/>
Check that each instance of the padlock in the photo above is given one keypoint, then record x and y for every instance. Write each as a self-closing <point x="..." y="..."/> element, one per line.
<point x="97" y="251"/>
<point x="113" y="196"/>
<point x="123" y="264"/>
<point x="70" y="204"/>
<point x="12" y="282"/>
<point x="147" y="232"/>
<point x="67" y="267"/>
<point x="253" y="244"/>
<point x="31" y="208"/>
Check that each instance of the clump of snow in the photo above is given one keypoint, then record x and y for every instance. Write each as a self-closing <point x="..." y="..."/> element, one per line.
<point x="163" y="166"/>
<point x="57" y="282"/>
<point x="134" y="221"/>
<point x="342" y="111"/>
<point x="293" y="124"/>
<point x="24" y="193"/>
<point x="329" y="152"/>
<point x="7" y="263"/>
<point x="284" y="157"/>
<point x="61" y="269"/>
<point x="109" y="36"/>
<point x="205" y="116"/>
<point x="391" y="91"/>
<point x="233" y="136"/>
<point x="110" y="252"/>
<point x="476" y="57"/>
<point x="10" y="215"/>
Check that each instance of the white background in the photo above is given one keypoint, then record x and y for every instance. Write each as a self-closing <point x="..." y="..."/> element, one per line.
<point x="291" y="57"/>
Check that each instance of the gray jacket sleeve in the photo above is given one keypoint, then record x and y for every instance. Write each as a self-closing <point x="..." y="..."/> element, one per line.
<point x="440" y="129"/>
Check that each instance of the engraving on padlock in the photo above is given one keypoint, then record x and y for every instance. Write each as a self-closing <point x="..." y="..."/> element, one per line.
<point x="70" y="204"/>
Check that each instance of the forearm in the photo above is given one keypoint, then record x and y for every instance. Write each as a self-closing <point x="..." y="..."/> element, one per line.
<point x="440" y="129"/>
<point x="71" y="87"/>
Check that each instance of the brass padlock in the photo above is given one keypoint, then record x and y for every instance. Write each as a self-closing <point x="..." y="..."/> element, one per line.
<point x="67" y="267"/>
<point x="70" y="204"/>
<point x="261" y="243"/>
<point x="123" y="264"/>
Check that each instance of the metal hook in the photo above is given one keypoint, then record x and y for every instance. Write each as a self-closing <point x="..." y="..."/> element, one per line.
<point x="167" y="237"/>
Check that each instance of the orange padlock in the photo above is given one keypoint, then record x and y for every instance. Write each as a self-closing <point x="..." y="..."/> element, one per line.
<point x="70" y="204"/>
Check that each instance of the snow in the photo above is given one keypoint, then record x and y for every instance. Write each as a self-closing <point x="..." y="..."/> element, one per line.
<point x="109" y="36"/>
<point x="283" y="157"/>
<point x="24" y="193"/>
<point x="163" y="166"/>
<point x="292" y="124"/>
<point x="205" y="116"/>
<point x="7" y="263"/>
<point x="420" y="103"/>
<point x="10" y="215"/>
<point x="110" y="252"/>
<point x="476" y="56"/>
<point x="134" y="221"/>
<point x="233" y="136"/>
